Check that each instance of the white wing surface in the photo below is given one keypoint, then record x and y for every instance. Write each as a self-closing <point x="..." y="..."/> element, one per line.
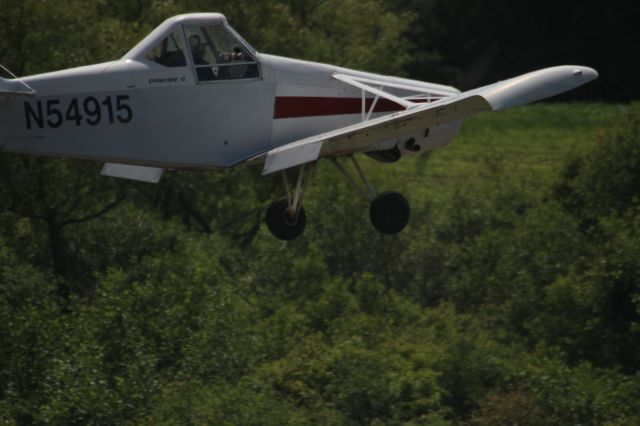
<point x="520" y="90"/>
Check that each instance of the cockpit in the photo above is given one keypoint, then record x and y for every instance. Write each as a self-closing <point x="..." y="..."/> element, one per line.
<point x="214" y="50"/>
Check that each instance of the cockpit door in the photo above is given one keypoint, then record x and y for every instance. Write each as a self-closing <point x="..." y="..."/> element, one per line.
<point x="205" y="97"/>
<point x="230" y="97"/>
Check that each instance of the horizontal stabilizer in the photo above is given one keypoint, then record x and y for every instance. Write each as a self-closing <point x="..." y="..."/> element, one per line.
<point x="128" y="171"/>
<point x="362" y="136"/>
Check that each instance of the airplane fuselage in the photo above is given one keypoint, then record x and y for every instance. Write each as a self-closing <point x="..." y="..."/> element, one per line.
<point x="139" y="112"/>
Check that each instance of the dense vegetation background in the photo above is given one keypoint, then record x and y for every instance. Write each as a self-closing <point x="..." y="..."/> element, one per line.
<point x="512" y="298"/>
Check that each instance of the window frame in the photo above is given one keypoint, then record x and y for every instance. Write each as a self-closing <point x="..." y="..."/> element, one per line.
<point x="243" y="43"/>
<point x="186" y="51"/>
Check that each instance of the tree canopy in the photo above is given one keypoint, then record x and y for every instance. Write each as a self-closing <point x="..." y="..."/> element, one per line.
<point x="512" y="298"/>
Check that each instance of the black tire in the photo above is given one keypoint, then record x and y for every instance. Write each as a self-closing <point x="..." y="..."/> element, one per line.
<point x="389" y="213"/>
<point x="281" y="225"/>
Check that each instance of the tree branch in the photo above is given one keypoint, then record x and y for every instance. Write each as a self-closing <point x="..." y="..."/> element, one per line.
<point x="108" y="207"/>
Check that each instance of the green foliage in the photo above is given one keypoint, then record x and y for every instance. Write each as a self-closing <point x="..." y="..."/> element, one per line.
<point x="576" y="395"/>
<point x="603" y="299"/>
<point x="605" y="179"/>
<point x="27" y="309"/>
<point x="48" y="35"/>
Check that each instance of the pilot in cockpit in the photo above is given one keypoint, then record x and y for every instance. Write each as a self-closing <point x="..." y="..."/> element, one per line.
<point x="197" y="49"/>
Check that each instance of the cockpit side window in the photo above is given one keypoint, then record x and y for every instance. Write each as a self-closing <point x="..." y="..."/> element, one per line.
<point x="218" y="55"/>
<point x="169" y="52"/>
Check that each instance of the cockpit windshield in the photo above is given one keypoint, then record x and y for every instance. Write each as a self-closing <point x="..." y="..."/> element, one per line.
<point x="218" y="55"/>
<point x="170" y="51"/>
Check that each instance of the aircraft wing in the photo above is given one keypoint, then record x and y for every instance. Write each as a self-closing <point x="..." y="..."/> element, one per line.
<point x="520" y="90"/>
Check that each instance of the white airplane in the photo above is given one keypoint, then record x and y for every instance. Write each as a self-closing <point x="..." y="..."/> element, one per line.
<point x="194" y="94"/>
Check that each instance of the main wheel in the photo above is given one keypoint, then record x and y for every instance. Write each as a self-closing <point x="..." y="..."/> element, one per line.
<point x="280" y="222"/>
<point x="389" y="212"/>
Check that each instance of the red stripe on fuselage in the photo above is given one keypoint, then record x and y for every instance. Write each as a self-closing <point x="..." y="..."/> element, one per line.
<point x="303" y="106"/>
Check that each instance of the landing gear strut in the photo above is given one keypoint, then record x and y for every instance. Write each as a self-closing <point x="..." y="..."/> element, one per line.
<point x="389" y="212"/>
<point x="286" y="217"/>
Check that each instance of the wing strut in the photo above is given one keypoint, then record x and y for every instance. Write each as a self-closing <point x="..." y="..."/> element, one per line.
<point x="365" y="88"/>
<point x="422" y="94"/>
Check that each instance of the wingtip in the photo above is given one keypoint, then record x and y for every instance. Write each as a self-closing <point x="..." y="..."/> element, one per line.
<point x="585" y="72"/>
